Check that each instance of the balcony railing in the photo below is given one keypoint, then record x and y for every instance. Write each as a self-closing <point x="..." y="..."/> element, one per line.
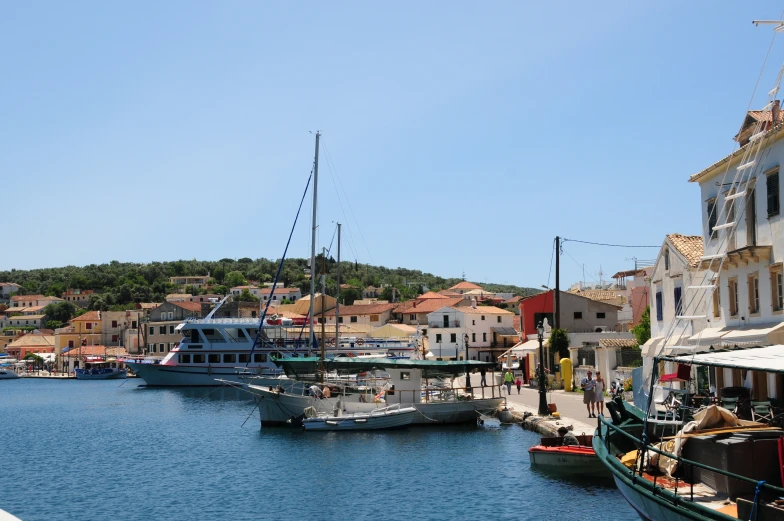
<point x="437" y="325"/>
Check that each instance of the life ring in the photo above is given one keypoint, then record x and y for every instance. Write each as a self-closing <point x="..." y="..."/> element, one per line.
<point x="360" y="341"/>
<point x="279" y="342"/>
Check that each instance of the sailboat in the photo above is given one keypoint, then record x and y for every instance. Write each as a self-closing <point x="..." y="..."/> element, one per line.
<point x="721" y="457"/>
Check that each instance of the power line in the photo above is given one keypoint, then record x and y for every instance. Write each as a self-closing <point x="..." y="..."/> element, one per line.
<point x="612" y="245"/>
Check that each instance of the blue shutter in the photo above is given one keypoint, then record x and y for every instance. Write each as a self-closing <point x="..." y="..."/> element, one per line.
<point x="677" y="301"/>
<point x="659" y="311"/>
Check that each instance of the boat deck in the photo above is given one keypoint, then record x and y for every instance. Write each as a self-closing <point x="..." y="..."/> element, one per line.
<point x="697" y="493"/>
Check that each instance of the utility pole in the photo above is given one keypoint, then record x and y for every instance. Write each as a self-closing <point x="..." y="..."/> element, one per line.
<point x="313" y="245"/>
<point x="557" y="314"/>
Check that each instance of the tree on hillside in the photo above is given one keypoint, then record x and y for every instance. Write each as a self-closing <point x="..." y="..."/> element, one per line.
<point x="234" y="279"/>
<point x="60" y="311"/>
<point x="642" y="331"/>
<point x="245" y="296"/>
<point x="348" y="296"/>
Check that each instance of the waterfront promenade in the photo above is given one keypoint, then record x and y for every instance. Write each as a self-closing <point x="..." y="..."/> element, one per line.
<point x="570" y="406"/>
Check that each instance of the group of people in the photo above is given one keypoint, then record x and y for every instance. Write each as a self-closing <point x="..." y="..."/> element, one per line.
<point x="509" y="379"/>
<point x="593" y="393"/>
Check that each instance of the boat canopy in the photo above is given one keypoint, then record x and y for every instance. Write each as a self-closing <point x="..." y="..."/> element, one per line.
<point x="430" y="368"/>
<point x="769" y="359"/>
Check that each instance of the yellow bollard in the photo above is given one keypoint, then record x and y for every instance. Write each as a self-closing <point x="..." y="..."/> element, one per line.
<point x="566" y="373"/>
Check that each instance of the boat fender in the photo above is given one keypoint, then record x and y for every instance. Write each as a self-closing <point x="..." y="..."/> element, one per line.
<point x="612" y="407"/>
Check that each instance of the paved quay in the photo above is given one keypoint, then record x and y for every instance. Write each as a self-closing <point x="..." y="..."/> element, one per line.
<point x="570" y="406"/>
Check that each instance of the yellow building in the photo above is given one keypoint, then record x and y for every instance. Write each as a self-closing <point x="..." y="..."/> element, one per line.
<point x="84" y="330"/>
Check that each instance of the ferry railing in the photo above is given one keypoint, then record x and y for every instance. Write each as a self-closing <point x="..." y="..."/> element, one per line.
<point x="681" y="460"/>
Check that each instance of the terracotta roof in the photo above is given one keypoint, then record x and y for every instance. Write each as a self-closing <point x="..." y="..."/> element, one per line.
<point x="465" y="285"/>
<point x="28" y="309"/>
<point x="178" y="295"/>
<point x="618" y="342"/>
<point x="148" y="305"/>
<point x="513" y="300"/>
<point x="484" y="310"/>
<point x="366" y="309"/>
<point x="90" y="316"/>
<point x="765" y="115"/>
<point x="33" y="340"/>
<point x="26" y="298"/>
<point x="426" y="306"/>
<point x="690" y="246"/>
<point x="14" y="284"/>
<point x="27" y="317"/>
<point x="190" y="306"/>
<point x="430" y="294"/>
<point x="448" y="293"/>
<point x="94" y="350"/>
<point x="599" y="294"/>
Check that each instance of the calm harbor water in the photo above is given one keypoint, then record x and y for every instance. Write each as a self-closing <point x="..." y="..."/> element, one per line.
<point x="102" y="450"/>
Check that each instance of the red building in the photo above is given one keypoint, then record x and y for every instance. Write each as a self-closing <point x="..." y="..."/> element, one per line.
<point x="535" y="309"/>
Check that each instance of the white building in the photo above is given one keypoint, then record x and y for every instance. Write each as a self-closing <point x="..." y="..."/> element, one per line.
<point x="7" y="289"/>
<point x="470" y="333"/>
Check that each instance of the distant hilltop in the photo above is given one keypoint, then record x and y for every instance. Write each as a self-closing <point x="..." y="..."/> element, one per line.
<point x="120" y="285"/>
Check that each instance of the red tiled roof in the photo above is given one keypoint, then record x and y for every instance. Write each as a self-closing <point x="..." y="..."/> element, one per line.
<point x="430" y="294"/>
<point x="26" y="298"/>
<point x="448" y="293"/>
<point x="95" y="350"/>
<point x="363" y="309"/>
<point x="426" y="306"/>
<point x="190" y="306"/>
<point x="90" y="316"/>
<point x="466" y="285"/>
<point x="690" y="246"/>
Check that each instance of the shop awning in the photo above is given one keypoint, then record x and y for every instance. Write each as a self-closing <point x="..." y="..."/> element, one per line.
<point x="765" y="334"/>
<point x="709" y="335"/>
<point x="769" y="359"/>
<point x="506" y="331"/>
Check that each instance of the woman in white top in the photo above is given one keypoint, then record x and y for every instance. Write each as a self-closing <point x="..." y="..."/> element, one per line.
<point x="598" y="393"/>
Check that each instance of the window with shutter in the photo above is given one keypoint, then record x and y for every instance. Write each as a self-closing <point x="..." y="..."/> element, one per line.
<point x="659" y="310"/>
<point x="677" y="296"/>
<point x="711" y="209"/>
<point x="773" y="194"/>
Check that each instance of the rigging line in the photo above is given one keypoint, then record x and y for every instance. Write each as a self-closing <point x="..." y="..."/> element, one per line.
<point x="333" y="175"/>
<point x="348" y="202"/>
<point x="350" y="237"/>
<point x="578" y="264"/>
<point x="611" y="245"/>
<point x="277" y="275"/>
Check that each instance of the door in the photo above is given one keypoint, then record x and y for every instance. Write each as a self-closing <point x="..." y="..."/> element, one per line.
<point x="446" y="320"/>
<point x="751" y="218"/>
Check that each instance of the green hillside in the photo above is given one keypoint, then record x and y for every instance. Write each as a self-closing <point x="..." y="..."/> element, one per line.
<point x="119" y="285"/>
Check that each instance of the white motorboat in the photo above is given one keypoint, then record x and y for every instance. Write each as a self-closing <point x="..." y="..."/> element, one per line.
<point x="7" y="374"/>
<point x="390" y="417"/>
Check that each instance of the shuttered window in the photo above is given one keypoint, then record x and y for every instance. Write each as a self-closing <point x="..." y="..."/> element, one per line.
<point x="677" y="296"/>
<point x="711" y="216"/>
<point x="773" y="194"/>
<point x="659" y="310"/>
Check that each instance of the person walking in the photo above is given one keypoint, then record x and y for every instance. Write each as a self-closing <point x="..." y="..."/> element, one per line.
<point x="587" y="385"/>
<point x="508" y="381"/>
<point x="519" y="384"/>
<point x="598" y="393"/>
<point x="483" y="374"/>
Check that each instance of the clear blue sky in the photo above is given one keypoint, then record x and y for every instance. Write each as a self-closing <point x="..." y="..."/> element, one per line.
<point x="466" y="135"/>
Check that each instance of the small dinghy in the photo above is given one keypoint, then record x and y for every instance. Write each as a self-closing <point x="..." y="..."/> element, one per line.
<point x="390" y="417"/>
<point x="576" y="460"/>
<point x="487" y="422"/>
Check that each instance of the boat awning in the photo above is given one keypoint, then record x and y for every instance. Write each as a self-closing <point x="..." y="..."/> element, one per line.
<point x="506" y="331"/>
<point x="650" y="347"/>
<point x="769" y="359"/>
<point x="312" y="365"/>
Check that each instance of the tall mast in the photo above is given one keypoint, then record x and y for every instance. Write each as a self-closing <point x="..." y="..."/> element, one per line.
<point x="337" y="303"/>
<point x="313" y="245"/>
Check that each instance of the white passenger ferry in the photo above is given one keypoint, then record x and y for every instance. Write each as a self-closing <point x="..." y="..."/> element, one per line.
<point x="222" y="348"/>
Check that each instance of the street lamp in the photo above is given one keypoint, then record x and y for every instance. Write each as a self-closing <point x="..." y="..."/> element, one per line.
<point x="543" y="411"/>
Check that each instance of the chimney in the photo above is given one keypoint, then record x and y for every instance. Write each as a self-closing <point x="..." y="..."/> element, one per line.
<point x="776" y="112"/>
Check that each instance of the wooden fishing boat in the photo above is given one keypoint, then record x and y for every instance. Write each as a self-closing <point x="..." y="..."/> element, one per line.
<point x="576" y="460"/>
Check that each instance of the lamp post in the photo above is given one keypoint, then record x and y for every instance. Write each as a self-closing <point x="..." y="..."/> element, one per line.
<point x="543" y="411"/>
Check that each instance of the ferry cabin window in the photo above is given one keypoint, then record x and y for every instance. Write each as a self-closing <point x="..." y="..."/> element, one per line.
<point x="259" y="358"/>
<point x="229" y="358"/>
<point x="244" y="358"/>
<point x="185" y="359"/>
<point x="214" y="359"/>
<point x="194" y="335"/>
<point x="198" y="359"/>
<point x="241" y="335"/>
